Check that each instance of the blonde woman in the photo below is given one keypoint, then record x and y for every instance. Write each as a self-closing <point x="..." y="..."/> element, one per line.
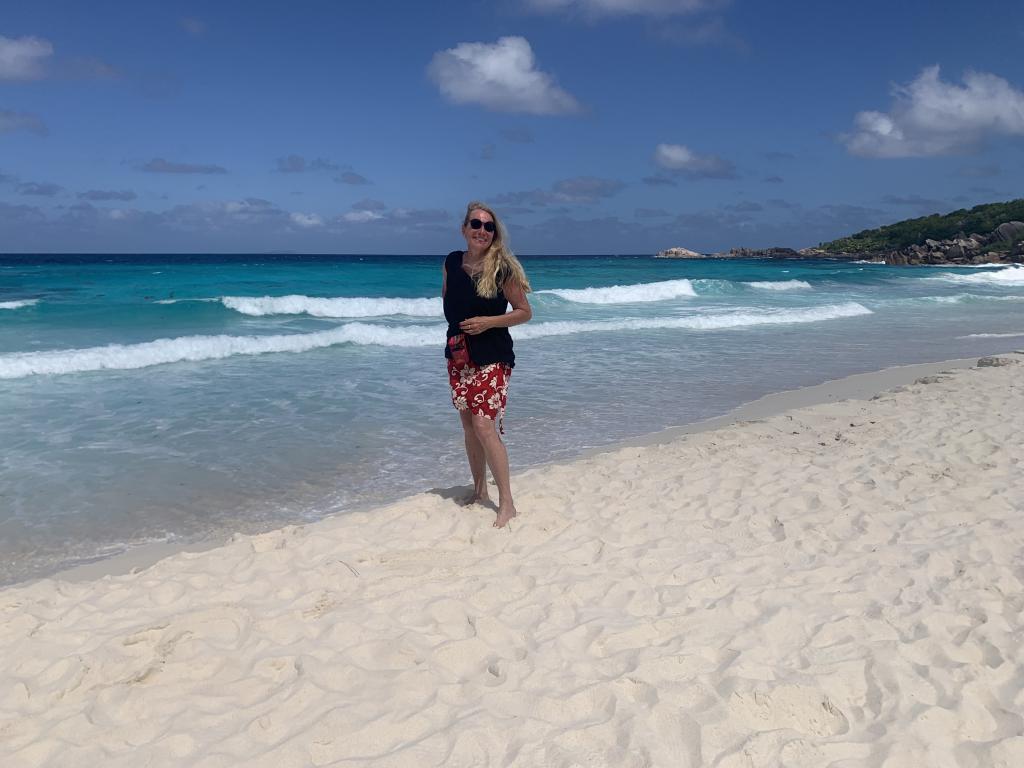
<point x="479" y="285"/>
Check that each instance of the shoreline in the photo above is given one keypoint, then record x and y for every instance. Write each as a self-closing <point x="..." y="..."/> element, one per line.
<point x="836" y="583"/>
<point x="854" y="386"/>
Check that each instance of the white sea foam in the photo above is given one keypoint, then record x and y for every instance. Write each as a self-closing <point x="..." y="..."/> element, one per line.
<point x="357" y="306"/>
<point x="698" y="322"/>
<point x="1006" y="276"/>
<point x="627" y="294"/>
<point x="992" y="335"/>
<point x="197" y="348"/>
<point x="712" y="287"/>
<point x="180" y="301"/>
<point x="18" y="304"/>
<point x="780" y="285"/>
<point x="956" y="298"/>
<point x="865" y="261"/>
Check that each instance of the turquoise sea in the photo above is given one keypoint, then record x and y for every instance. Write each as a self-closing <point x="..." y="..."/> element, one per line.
<point x="173" y="398"/>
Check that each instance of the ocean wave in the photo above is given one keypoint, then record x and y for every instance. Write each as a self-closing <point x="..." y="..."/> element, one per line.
<point x="18" y="304"/>
<point x="711" y="287"/>
<point x="701" y="322"/>
<point x="199" y="348"/>
<point x="1007" y="276"/>
<point x="356" y="306"/>
<point x="992" y="335"/>
<point x="180" y="301"/>
<point x="626" y="294"/>
<point x="780" y="285"/>
<point x="956" y="299"/>
<point x="866" y="261"/>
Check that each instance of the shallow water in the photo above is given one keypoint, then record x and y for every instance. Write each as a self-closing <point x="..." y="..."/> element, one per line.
<point x="173" y="398"/>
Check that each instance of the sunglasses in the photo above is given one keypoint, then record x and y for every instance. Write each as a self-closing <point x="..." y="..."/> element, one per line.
<point x="476" y="224"/>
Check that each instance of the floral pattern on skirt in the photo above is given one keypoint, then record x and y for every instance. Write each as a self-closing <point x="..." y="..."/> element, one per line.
<point x="482" y="391"/>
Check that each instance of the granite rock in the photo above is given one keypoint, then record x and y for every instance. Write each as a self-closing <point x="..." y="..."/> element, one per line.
<point x="975" y="248"/>
<point x="678" y="253"/>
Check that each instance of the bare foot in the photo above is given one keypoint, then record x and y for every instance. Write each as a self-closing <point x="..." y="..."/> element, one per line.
<point x="504" y="515"/>
<point x="473" y="497"/>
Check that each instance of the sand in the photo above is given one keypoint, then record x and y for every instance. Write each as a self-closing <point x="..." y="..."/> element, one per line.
<point x="835" y="585"/>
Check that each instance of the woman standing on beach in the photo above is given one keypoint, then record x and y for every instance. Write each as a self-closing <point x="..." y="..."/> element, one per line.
<point x="478" y="286"/>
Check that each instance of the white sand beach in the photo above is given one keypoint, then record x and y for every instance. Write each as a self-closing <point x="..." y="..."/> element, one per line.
<point x="835" y="585"/>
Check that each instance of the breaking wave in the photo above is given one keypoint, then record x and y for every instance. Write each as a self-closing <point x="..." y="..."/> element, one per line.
<point x="780" y="285"/>
<point x="700" y="322"/>
<point x="358" y="306"/>
<point x="1002" y="277"/>
<point x="626" y="294"/>
<point x="992" y="335"/>
<point x="198" y="348"/>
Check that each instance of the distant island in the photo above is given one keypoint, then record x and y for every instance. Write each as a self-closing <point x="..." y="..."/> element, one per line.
<point x="986" y="234"/>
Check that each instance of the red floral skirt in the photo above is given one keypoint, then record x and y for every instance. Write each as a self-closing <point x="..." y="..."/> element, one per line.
<point x="482" y="391"/>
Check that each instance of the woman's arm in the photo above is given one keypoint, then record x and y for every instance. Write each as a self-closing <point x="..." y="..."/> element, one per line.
<point x="519" y="314"/>
<point x="444" y="280"/>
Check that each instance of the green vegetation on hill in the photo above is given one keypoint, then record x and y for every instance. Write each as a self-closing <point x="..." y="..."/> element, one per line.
<point x="981" y="219"/>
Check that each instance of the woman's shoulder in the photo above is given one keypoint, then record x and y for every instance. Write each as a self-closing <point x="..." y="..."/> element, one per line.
<point x="454" y="256"/>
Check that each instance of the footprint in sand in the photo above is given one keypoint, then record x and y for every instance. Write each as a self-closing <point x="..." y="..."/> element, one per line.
<point x="789" y="706"/>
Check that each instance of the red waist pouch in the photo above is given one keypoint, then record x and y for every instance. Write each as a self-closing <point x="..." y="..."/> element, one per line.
<point x="459" y="350"/>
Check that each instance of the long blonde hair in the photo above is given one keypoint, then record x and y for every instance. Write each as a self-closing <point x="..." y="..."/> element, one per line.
<point x="498" y="258"/>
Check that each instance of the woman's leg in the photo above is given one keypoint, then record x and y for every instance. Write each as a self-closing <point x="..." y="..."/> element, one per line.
<point x="486" y="433"/>
<point x="477" y="459"/>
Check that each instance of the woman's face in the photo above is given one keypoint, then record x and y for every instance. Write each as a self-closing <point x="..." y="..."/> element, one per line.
<point x="478" y="240"/>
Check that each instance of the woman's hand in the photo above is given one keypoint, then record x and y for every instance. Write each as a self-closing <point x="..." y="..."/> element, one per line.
<point x="475" y="325"/>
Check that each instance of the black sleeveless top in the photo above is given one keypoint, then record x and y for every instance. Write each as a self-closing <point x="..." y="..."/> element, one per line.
<point x="461" y="302"/>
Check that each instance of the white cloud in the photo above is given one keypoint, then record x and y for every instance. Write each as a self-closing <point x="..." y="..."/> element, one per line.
<point x="419" y="216"/>
<point x="232" y="215"/>
<point x="685" y="162"/>
<point x="250" y="206"/>
<point x="349" y="177"/>
<point x="931" y="117"/>
<point x="107" y="194"/>
<point x="584" y="190"/>
<point x="501" y="76"/>
<point x="366" y="204"/>
<point x="159" y="165"/>
<point x="306" y="220"/>
<point x="361" y="217"/>
<point x="298" y="164"/>
<point x="42" y="189"/>
<point x="20" y="121"/>
<point x="23" y="58"/>
<point x="88" y="68"/>
<point x="626" y="7"/>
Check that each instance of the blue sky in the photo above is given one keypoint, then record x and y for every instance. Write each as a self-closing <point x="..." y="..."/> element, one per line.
<point x="592" y="126"/>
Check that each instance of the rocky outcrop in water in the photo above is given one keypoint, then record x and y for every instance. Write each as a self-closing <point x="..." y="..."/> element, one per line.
<point x="678" y="253"/>
<point x="1004" y="245"/>
<point x="759" y="253"/>
<point x="735" y="253"/>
